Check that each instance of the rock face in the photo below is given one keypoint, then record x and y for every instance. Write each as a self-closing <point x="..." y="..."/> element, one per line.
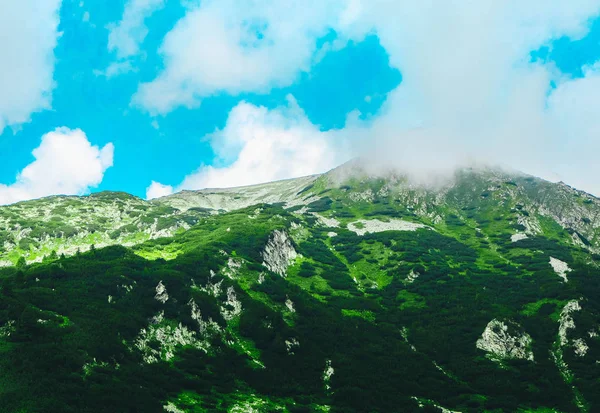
<point x="566" y="322"/>
<point x="279" y="253"/>
<point x="232" y="306"/>
<point x="505" y="341"/>
<point x="518" y="237"/>
<point x="580" y="348"/>
<point x="365" y="226"/>
<point x="161" y="293"/>
<point x="561" y="268"/>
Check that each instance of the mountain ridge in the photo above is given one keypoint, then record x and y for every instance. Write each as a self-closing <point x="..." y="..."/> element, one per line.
<point x="167" y="215"/>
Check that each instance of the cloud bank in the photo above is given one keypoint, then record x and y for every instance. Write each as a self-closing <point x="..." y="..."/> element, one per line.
<point x="65" y="163"/>
<point x="469" y="92"/>
<point x="30" y="30"/>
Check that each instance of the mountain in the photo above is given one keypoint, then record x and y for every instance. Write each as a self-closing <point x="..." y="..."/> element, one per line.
<point x="350" y="291"/>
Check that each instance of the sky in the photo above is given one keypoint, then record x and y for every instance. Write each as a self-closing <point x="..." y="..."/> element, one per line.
<point x="156" y="96"/>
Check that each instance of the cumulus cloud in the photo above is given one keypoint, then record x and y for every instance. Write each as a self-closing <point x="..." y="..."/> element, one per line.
<point x="65" y="163"/>
<point x="27" y="66"/>
<point x="233" y="47"/>
<point x="261" y="145"/>
<point x="156" y="190"/>
<point x="469" y="92"/>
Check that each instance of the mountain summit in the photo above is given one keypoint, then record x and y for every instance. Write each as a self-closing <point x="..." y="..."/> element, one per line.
<point x="348" y="291"/>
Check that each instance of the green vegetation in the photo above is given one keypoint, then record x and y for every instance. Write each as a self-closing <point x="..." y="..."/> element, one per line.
<point x="183" y="314"/>
<point x="35" y="229"/>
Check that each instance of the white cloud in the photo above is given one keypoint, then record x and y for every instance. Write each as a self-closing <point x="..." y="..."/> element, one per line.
<point x="469" y="90"/>
<point x="65" y="163"/>
<point x="29" y="29"/>
<point x="116" y="68"/>
<point x="575" y="110"/>
<point x="270" y="145"/>
<point x="231" y="46"/>
<point x="126" y="36"/>
<point x="156" y="190"/>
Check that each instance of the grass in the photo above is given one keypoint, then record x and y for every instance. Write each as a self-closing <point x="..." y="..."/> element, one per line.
<point x="411" y="300"/>
<point x="364" y="314"/>
<point x="531" y="309"/>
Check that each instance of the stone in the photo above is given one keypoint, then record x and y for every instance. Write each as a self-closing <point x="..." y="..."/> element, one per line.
<point x="279" y="253"/>
<point x="505" y="341"/>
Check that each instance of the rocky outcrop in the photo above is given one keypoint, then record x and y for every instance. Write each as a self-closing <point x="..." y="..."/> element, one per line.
<point x="566" y="322"/>
<point x="205" y="327"/>
<point x="365" y="226"/>
<point x="279" y="253"/>
<point x="161" y="293"/>
<point x="412" y="277"/>
<point x="327" y="374"/>
<point x="290" y="305"/>
<point x="291" y="344"/>
<point x="171" y="408"/>
<point x="232" y="269"/>
<point x="561" y="268"/>
<point x="580" y="348"/>
<point x="170" y="336"/>
<point x="519" y="236"/>
<point x="505" y="340"/>
<point x="7" y="329"/>
<point x="232" y="306"/>
<point x="212" y="287"/>
<point x="327" y="222"/>
<point x="531" y="224"/>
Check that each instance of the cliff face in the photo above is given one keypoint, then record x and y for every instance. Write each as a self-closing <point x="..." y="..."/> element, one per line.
<point x="279" y="253"/>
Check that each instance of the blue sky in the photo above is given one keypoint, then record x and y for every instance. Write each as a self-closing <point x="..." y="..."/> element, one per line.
<point x="192" y="94"/>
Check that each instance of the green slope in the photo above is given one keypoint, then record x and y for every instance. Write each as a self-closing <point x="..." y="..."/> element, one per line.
<point x="347" y="293"/>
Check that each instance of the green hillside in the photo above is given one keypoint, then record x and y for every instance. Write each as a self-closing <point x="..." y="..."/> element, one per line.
<point x="345" y="292"/>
